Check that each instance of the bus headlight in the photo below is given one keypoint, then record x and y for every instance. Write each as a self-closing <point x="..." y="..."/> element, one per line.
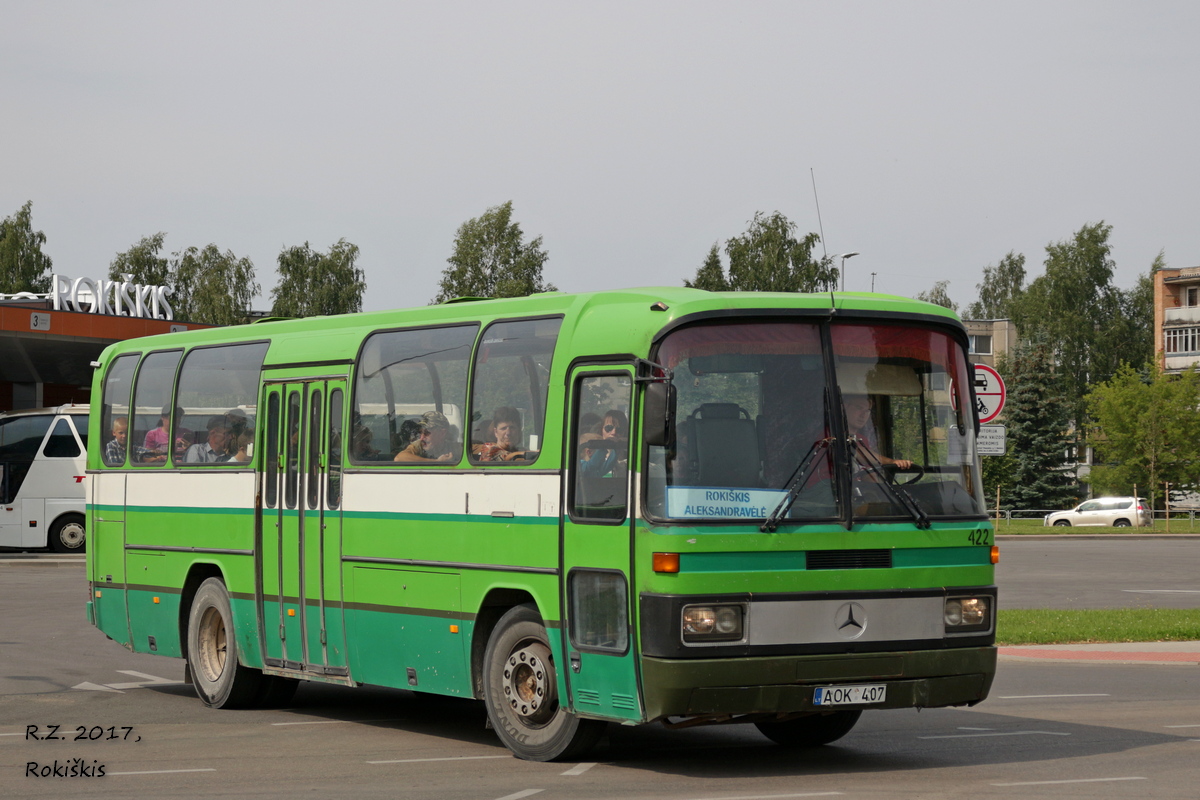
<point x="715" y="623"/>
<point x="968" y="614"/>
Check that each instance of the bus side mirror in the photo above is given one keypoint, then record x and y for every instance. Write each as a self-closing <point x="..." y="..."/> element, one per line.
<point x="658" y="409"/>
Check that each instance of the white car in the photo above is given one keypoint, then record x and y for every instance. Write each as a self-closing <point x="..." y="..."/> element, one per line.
<point x="1115" y="512"/>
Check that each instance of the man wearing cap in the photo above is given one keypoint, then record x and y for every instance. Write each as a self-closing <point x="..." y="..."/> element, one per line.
<point x="432" y="444"/>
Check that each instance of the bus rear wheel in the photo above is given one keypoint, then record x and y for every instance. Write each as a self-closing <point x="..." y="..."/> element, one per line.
<point x="521" y="692"/>
<point x="811" y="731"/>
<point x="67" y="534"/>
<point x="220" y="681"/>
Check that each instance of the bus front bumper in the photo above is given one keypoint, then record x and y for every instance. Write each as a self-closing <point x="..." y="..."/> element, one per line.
<point x="786" y="684"/>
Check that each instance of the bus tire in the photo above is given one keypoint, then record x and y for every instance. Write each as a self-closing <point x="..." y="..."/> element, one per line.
<point x="811" y="731"/>
<point x="520" y="688"/>
<point x="212" y="654"/>
<point x="67" y="534"/>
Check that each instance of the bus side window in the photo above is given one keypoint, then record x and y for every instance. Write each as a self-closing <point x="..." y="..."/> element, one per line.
<point x="61" y="443"/>
<point x="20" y="439"/>
<point x="601" y="448"/>
<point x="509" y="388"/>
<point x="155" y="381"/>
<point x="117" y="387"/>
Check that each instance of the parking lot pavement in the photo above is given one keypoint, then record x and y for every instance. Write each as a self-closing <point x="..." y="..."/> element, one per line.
<point x="18" y="559"/>
<point x="1111" y="652"/>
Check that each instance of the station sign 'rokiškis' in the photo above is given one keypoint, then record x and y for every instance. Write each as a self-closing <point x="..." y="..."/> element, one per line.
<point x="122" y="298"/>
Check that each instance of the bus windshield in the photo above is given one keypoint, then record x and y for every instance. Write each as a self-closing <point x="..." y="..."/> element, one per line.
<point x="761" y="428"/>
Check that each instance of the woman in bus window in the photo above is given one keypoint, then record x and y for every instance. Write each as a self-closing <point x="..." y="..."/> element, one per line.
<point x="614" y="432"/>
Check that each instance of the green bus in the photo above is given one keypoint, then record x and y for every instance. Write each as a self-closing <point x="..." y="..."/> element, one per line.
<point x="651" y="505"/>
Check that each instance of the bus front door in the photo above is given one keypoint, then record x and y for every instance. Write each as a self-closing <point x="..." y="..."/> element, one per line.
<point x="599" y="659"/>
<point x="300" y="573"/>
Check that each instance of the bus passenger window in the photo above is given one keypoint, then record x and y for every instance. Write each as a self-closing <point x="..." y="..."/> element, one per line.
<point x="218" y="387"/>
<point x="155" y="381"/>
<point x="509" y="388"/>
<point x="601" y="461"/>
<point x="409" y="396"/>
<point x="117" y="387"/>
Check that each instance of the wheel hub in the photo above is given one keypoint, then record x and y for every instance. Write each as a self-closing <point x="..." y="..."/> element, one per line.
<point x="528" y="684"/>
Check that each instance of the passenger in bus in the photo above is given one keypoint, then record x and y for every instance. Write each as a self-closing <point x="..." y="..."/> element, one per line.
<point x="236" y="423"/>
<point x="212" y="450"/>
<point x="157" y="441"/>
<point x="614" y="433"/>
<point x="862" y="429"/>
<point x="433" y="442"/>
<point x="505" y="433"/>
<point x="360" y="445"/>
<point x="241" y="446"/>
<point x="114" y="450"/>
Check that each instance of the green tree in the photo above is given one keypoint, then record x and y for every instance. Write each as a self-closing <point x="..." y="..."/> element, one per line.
<point x="767" y="258"/>
<point x="1001" y="290"/>
<point x="212" y="287"/>
<point x="1038" y="419"/>
<point x="1145" y="430"/>
<point x="313" y="283"/>
<point x="23" y="265"/>
<point x="1077" y="310"/>
<point x="711" y="275"/>
<point x="939" y="296"/>
<point x="143" y="263"/>
<point x="490" y="259"/>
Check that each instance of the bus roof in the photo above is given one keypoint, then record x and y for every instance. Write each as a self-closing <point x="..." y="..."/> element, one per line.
<point x="618" y="321"/>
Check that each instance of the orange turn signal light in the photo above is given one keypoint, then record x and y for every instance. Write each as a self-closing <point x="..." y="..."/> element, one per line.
<point x="995" y="554"/>
<point x="666" y="562"/>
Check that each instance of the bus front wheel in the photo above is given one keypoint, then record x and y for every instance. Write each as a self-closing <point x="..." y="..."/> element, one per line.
<point x="521" y="692"/>
<point x="67" y="534"/>
<point x="811" y="731"/>
<point x="220" y="681"/>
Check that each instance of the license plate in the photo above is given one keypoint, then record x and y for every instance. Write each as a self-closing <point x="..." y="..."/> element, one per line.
<point x="849" y="695"/>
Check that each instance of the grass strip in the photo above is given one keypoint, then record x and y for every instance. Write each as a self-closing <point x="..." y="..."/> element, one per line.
<point x="1053" y="626"/>
<point x="1018" y="527"/>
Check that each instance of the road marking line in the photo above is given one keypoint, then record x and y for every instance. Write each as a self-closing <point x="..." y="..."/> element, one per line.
<point x="160" y="771"/>
<point x="94" y="687"/>
<point x="963" y="728"/>
<point x="315" y="722"/>
<point x="518" y="795"/>
<point x="776" y="796"/>
<point x="1042" y="696"/>
<point x="452" y="758"/>
<point x="12" y="734"/>
<point x="1165" y="726"/>
<point x="1008" y="733"/>
<point x="1076" y="780"/>
<point x="1162" y="591"/>
<point x="576" y="770"/>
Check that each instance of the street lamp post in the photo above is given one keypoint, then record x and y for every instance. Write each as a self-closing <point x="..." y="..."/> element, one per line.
<point x="844" y="256"/>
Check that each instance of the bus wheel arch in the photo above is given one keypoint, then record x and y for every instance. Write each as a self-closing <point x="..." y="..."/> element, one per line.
<point x="521" y="692"/>
<point x="219" y="678"/>
<point x="67" y="534"/>
<point x="494" y="606"/>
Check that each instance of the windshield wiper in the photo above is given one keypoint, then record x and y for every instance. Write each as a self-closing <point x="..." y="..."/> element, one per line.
<point x="869" y="461"/>
<point x="795" y="484"/>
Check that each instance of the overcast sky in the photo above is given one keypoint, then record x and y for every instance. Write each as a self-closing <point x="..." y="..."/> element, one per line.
<point x="631" y="136"/>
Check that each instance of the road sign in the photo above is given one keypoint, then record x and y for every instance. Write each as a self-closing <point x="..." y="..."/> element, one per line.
<point x="989" y="393"/>
<point x="992" y="441"/>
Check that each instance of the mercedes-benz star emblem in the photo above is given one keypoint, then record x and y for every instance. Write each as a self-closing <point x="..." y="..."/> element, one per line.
<point x="850" y="621"/>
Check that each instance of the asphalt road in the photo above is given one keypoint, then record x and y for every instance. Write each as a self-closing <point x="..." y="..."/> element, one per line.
<point x="1099" y="572"/>
<point x="1069" y="729"/>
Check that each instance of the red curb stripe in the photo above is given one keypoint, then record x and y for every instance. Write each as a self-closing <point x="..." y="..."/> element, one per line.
<point x="1092" y="655"/>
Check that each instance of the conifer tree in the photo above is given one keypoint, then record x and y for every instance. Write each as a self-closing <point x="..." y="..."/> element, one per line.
<point x="1038" y="418"/>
